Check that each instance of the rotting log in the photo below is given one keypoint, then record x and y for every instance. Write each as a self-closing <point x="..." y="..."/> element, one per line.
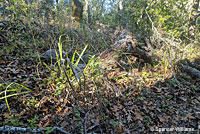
<point x="127" y="45"/>
<point x="191" y="71"/>
<point x="191" y="68"/>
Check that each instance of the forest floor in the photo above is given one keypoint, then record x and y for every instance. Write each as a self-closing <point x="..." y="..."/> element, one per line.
<point x="117" y="101"/>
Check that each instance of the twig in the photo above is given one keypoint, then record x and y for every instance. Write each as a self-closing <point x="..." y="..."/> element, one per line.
<point x="22" y="129"/>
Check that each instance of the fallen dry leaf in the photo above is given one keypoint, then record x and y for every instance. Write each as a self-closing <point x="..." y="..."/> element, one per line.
<point x="138" y="115"/>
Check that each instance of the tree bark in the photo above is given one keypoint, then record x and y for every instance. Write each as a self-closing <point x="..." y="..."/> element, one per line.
<point x="126" y="44"/>
<point x="87" y="10"/>
<point x="77" y="10"/>
<point x="120" y="5"/>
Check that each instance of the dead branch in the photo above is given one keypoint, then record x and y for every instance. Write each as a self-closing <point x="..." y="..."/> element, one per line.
<point x="21" y="129"/>
<point x="148" y="57"/>
<point x="190" y="70"/>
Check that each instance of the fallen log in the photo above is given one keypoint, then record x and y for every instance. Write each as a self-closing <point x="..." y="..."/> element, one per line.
<point x="127" y="45"/>
<point x="190" y="70"/>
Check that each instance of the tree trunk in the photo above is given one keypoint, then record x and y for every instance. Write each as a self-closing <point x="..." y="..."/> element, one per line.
<point x="77" y="10"/>
<point x="87" y="10"/>
<point x="120" y="5"/>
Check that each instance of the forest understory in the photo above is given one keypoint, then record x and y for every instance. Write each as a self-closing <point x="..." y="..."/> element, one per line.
<point x="96" y="79"/>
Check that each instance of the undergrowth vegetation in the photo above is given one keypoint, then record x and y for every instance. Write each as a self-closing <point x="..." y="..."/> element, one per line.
<point x="54" y="75"/>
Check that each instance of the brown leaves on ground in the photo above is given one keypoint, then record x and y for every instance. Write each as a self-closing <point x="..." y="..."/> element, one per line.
<point x="173" y="102"/>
